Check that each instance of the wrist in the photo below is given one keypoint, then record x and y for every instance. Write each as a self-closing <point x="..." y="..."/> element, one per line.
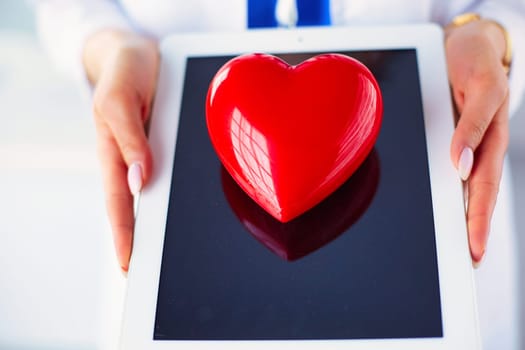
<point x="101" y="47"/>
<point x="472" y="26"/>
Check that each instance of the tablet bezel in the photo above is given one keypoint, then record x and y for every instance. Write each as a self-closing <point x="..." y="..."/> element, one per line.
<point x="459" y="314"/>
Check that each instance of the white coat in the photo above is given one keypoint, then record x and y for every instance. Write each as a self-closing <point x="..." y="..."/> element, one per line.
<point x="65" y="24"/>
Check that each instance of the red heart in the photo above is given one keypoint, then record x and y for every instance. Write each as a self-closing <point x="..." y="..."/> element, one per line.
<point x="291" y="135"/>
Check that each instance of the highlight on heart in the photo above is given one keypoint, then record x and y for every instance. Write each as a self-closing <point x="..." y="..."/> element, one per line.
<point x="290" y="135"/>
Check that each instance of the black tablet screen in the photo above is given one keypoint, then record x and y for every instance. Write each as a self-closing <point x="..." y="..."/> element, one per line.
<point x="360" y="265"/>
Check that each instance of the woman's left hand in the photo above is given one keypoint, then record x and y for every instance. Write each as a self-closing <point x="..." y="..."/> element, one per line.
<point x="480" y="87"/>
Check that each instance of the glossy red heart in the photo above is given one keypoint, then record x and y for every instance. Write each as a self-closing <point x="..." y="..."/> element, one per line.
<point x="291" y="135"/>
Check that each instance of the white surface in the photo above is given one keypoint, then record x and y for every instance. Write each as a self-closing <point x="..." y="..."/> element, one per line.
<point x="460" y="325"/>
<point x="60" y="284"/>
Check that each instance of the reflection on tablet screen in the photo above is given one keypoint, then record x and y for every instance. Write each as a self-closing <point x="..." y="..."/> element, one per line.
<point x="361" y="265"/>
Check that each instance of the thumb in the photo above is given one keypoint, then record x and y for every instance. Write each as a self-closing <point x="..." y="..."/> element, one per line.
<point x="122" y="112"/>
<point x="479" y="109"/>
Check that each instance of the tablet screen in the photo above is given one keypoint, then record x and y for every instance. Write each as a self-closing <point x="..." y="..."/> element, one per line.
<point x="361" y="265"/>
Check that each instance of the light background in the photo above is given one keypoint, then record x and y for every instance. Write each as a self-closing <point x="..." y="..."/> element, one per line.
<point x="60" y="287"/>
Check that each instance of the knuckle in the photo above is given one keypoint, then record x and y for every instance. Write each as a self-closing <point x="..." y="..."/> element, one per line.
<point x="477" y="130"/>
<point x="123" y="228"/>
<point x="482" y="77"/>
<point x="491" y="81"/>
<point x="122" y="231"/>
<point x="485" y="195"/>
<point x="485" y="187"/>
<point x="110" y="103"/>
<point x="482" y="216"/>
<point x="105" y="103"/>
<point x="129" y="148"/>
<point x="116" y="197"/>
<point x="135" y="149"/>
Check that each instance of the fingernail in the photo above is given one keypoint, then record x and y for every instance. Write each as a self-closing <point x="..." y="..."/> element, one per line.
<point x="477" y="263"/>
<point x="466" y="160"/>
<point x="135" y="178"/>
<point x="124" y="271"/>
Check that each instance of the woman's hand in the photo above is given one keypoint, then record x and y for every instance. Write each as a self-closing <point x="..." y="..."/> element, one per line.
<point x="480" y="87"/>
<point x="123" y="68"/>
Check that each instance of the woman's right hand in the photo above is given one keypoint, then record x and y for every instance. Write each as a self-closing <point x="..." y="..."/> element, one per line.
<point x="123" y="68"/>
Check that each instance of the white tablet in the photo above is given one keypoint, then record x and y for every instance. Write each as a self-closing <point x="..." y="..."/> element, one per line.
<point x="383" y="263"/>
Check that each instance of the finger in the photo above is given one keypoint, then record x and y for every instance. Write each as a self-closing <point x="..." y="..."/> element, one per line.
<point x="480" y="103"/>
<point x="119" y="201"/>
<point x="484" y="182"/>
<point x="459" y="99"/>
<point x="122" y="111"/>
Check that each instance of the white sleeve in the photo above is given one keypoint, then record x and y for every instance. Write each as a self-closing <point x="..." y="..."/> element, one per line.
<point x="64" y="25"/>
<point x="511" y="15"/>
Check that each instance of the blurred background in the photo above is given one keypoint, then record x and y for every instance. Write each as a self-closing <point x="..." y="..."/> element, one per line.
<point x="60" y="287"/>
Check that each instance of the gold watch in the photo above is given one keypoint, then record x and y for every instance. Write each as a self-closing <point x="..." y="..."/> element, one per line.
<point x="468" y="17"/>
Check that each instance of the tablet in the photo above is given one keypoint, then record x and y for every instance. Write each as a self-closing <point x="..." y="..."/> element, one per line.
<point x="382" y="263"/>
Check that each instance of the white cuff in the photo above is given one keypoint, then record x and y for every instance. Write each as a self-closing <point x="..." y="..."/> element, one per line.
<point x="64" y="26"/>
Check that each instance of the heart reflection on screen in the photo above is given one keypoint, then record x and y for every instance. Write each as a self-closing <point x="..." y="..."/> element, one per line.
<point x="315" y="228"/>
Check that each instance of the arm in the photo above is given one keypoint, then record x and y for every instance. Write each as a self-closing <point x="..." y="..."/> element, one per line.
<point x="123" y="68"/>
<point x="475" y="52"/>
<point x="511" y="15"/>
<point x="93" y="41"/>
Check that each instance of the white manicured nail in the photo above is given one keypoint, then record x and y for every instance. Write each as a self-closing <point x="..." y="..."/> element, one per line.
<point x="466" y="160"/>
<point x="135" y="178"/>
